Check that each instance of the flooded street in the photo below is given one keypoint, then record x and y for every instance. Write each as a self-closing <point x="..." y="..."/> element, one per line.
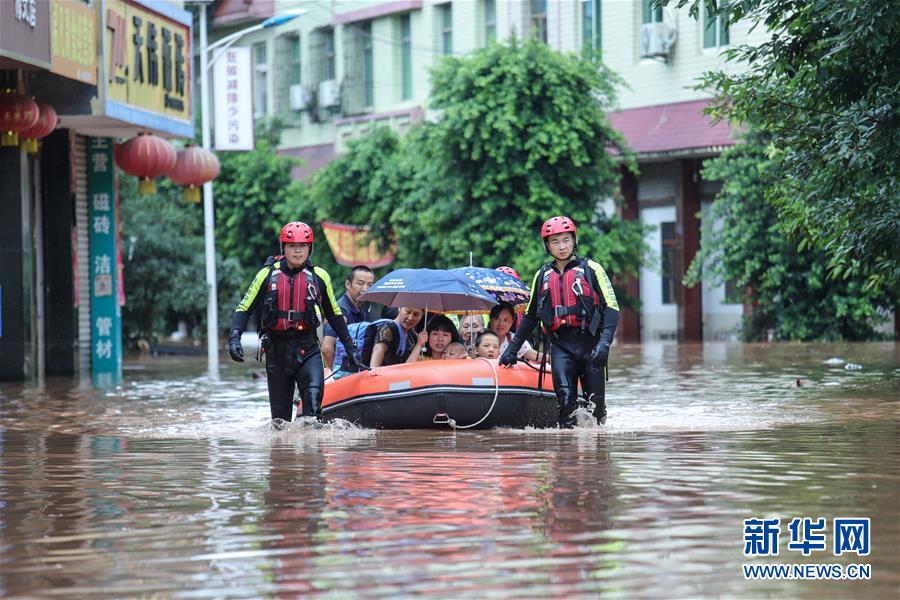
<point x="173" y="485"/>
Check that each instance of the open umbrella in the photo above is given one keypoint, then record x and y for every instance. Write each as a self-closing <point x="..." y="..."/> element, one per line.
<point x="503" y="287"/>
<point x="434" y="290"/>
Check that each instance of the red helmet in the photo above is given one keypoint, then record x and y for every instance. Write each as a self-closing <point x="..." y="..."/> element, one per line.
<point x="509" y="271"/>
<point x="297" y="233"/>
<point x="555" y="225"/>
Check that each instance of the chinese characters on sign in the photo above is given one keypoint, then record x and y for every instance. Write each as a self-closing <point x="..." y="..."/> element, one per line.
<point x="26" y="10"/>
<point x="850" y="536"/>
<point x="72" y="40"/>
<point x="106" y="320"/>
<point x="232" y="100"/>
<point x="149" y="60"/>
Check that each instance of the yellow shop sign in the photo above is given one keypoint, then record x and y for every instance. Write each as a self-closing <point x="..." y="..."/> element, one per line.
<point x="148" y="57"/>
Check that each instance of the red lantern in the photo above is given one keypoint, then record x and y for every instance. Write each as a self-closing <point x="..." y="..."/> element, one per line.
<point x="194" y="167"/>
<point x="147" y="157"/>
<point x="17" y="113"/>
<point x="45" y="125"/>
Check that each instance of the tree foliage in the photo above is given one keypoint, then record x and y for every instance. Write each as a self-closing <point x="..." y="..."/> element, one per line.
<point x="788" y="287"/>
<point x="826" y="85"/>
<point x="163" y="262"/>
<point x="521" y="135"/>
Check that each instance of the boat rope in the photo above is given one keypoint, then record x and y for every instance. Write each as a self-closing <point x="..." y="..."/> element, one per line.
<point x="452" y="422"/>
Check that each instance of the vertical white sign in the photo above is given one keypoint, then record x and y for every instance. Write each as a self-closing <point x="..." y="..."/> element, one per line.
<point x="233" y="100"/>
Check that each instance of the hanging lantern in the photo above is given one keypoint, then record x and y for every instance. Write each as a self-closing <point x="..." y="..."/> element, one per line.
<point x="147" y="157"/>
<point x="194" y="167"/>
<point x="45" y="125"/>
<point x="17" y="113"/>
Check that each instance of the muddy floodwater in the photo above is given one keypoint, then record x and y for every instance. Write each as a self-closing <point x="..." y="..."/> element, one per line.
<point x="173" y="485"/>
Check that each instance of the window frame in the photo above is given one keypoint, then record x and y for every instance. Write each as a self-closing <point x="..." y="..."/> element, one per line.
<point x="296" y="60"/>
<point x="260" y="79"/>
<point x="368" y="64"/>
<point x="591" y="40"/>
<point x="446" y="11"/>
<point x="721" y="31"/>
<point x="329" y="57"/>
<point x="650" y="14"/>
<point x="406" y="74"/>
<point x="490" y="21"/>
<point x="538" y="20"/>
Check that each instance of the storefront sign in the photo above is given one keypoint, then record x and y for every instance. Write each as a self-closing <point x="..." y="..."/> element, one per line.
<point x="106" y="313"/>
<point x="25" y="31"/>
<point x="73" y="40"/>
<point x="232" y="100"/>
<point x="148" y="61"/>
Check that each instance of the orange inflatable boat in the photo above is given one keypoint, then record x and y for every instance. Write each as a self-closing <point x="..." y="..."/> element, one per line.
<point x="442" y="394"/>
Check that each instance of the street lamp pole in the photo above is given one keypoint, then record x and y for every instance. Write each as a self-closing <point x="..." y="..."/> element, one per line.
<point x="212" y="308"/>
<point x="212" y="303"/>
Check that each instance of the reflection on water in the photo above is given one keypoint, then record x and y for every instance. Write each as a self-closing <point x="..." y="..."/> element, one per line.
<point x="175" y="485"/>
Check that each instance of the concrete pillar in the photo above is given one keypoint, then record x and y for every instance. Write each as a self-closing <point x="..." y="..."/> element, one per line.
<point x="58" y="193"/>
<point x="15" y="258"/>
<point x="630" y="320"/>
<point x="687" y="226"/>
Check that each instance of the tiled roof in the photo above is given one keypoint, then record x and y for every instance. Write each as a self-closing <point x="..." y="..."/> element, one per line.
<point x="671" y="128"/>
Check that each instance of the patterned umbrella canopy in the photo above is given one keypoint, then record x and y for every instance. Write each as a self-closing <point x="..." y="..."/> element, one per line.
<point x="435" y="290"/>
<point x="503" y="287"/>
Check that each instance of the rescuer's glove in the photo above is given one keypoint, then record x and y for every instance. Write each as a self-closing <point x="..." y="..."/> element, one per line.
<point x="600" y="353"/>
<point x="509" y="358"/>
<point x="234" y="346"/>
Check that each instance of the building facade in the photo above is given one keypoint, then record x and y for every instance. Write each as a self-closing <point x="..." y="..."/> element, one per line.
<point x="110" y="69"/>
<point x="348" y="66"/>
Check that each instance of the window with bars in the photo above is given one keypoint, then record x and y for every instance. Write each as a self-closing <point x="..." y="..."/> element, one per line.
<point x="651" y="13"/>
<point x="590" y="29"/>
<point x="715" y="29"/>
<point x="490" y="21"/>
<point x="287" y="73"/>
<point x="406" y="75"/>
<point x="446" y="11"/>
<point x="539" y="19"/>
<point x="365" y="30"/>
<point x="260" y="80"/>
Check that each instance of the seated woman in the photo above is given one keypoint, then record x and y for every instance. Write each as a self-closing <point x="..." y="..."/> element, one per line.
<point x="455" y="350"/>
<point x="388" y="349"/>
<point x="501" y="321"/>
<point x="487" y="345"/>
<point x="440" y="333"/>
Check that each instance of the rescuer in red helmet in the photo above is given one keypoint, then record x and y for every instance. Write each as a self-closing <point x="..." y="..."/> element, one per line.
<point x="290" y="289"/>
<point x="574" y="300"/>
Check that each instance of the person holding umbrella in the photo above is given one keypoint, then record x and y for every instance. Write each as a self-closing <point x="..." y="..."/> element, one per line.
<point x="574" y="300"/>
<point x="292" y="292"/>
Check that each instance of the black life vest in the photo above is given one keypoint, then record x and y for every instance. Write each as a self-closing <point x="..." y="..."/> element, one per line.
<point x="568" y="299"/>
<point x="290" y="302"/>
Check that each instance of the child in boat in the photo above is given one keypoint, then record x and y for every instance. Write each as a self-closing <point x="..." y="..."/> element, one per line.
<point x="441" y="333"/>
<point x="487" y="345"/>
<point x="455" y="350"/>
<point x="385" y="344"/>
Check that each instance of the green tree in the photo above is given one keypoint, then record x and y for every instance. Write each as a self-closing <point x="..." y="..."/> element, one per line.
<point x="163" y="262"/>
<point x="522" y="136"/>
<point x="788" y="288"/>
<point x="826" y="85"/>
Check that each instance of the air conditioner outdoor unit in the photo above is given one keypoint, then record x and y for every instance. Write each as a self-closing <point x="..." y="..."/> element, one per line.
<point x="657" y="40"/>
<point x="329" y="94"/>
<point x="301" y="97"/>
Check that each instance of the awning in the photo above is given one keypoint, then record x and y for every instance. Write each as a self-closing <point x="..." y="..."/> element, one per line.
<point x="670" y="130"/>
